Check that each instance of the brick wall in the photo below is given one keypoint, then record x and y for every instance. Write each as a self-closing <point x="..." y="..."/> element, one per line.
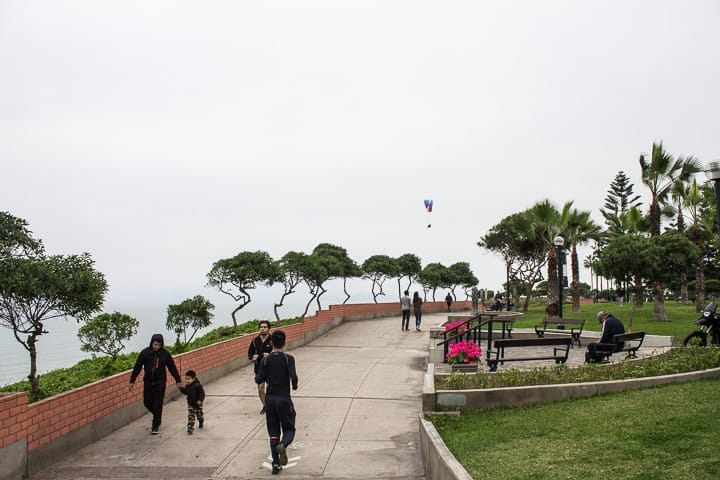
<point x="46" y="421"/>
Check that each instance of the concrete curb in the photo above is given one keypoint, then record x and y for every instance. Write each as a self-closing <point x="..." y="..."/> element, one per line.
<point x="442" y="465"/>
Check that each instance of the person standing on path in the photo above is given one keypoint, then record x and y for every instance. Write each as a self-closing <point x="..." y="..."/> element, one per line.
<point x="154" y="360"/>
<point x="405" y="307"/>
<point x="417" y="309"/>
<point x="195" y="397"/>
<point x="448" y="300"/>
<point x="260" y="348"/>
<point x="278" y="371"/>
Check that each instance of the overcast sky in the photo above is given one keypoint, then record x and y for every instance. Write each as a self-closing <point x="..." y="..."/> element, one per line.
<point x="163" y="136"/>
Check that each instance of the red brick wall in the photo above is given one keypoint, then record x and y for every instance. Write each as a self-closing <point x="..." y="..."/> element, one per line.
<point x="47" y="420"/>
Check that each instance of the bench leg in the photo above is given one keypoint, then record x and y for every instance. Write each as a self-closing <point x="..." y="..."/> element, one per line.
<point x="492" y="364"/>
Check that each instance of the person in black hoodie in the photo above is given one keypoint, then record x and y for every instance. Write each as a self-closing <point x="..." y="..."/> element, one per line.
<point x="154" y="360"/>
<point x="195" y="397"/>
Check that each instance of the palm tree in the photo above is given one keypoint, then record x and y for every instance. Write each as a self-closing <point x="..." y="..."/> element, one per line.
<point x="699" y="232"/>
<point x="659" y="174"/>
<point x="580" y="229"/>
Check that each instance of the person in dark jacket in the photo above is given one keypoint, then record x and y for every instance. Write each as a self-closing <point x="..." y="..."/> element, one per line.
<point x="154" y="360"/>
<point x="278" y="371"/>
<point x="260" y="348"/>
<point x="611" y="326"/>
<point x="417" y="309"/>
<point x="449" y="300"/>
<point x="195" y="397"/>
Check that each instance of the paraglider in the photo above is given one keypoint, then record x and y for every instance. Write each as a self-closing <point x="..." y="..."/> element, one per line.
<point x="428" y="207"/>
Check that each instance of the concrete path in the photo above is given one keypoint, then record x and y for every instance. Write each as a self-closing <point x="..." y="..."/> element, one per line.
<point x="357" y="405"/>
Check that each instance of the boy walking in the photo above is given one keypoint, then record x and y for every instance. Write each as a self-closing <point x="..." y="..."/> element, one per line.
<point x="195" y="397"/>
<point x="278" y="371"/>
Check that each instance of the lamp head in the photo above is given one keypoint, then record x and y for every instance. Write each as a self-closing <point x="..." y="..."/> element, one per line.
<point x="712" y="170"/>
<point x="560" y="241"/>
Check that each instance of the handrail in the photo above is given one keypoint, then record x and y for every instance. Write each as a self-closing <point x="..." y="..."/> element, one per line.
<point x="473" y="333"/>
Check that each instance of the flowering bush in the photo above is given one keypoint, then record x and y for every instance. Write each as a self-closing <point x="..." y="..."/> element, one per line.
<point x="451" y="325"/>
<point x="464" y="352"/>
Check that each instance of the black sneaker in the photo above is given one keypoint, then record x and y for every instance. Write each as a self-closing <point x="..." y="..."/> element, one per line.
<point x="154" y="431"/>
<point x="190" y="430"/>
<point x="201" y="424"/>
<point x="262" y="412"/>
<point x="276" y="468"/>
<point x="282" y="453"/>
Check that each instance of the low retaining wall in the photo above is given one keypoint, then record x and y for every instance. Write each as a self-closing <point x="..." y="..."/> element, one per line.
<point x="35" y="435"/>
<point x="442" y="465"/>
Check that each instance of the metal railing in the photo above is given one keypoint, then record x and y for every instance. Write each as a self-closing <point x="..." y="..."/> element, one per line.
<point x="475" y="332"/>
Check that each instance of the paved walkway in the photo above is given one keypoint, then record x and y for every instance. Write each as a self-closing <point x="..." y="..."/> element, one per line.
<point x="357" y="405"/>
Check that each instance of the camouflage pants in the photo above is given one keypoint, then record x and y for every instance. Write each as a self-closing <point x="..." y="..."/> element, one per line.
<point x="195" y="411"/>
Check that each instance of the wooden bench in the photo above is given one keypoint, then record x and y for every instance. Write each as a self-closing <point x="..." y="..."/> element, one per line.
<point x="559" y="355"/>
<point x="575" y="330"/>
<point x="624" y="342"/>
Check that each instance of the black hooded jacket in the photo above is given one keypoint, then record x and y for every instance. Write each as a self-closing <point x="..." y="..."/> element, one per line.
<point x="195" y="392"/>
<point x="155" y="364"/>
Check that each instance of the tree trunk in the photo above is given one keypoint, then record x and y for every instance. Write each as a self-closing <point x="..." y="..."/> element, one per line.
<point x="347" y="295"/>
<point x="552" y="276"/>
<point x="699" y="285"/>
<point x="659" y="314"/>
<point x="575" y="285"/>
<point x="639" y="299"/>
<point x="683" y="288"/>
<point x="33" y="378"/>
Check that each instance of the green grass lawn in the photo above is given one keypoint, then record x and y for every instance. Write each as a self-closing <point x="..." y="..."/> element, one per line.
<point x="680" y="317"/>
<point x="669" y="432"/>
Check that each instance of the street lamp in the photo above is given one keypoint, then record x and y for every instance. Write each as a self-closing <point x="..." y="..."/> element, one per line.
<point x="712" y="172"/>
<point x="559" y="242"/>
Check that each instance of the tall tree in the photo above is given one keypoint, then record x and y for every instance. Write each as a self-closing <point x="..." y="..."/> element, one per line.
<point x="580" y="230"/>
<point x="460" y="275"/>
<point x="338" y="264"/>
<point x="191" y="315"/>
<point x="620" y="198"/>
<point x="432" y="277"/>
<point x="237" y="275"/>
<point x="106" y="333"/>
<point x="659" y="173"/>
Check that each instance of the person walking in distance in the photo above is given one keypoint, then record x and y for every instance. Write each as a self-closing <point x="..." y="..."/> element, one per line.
<point x="154" y="360"/>
<point x="449" y="300"/>
<point x="195" y="398"/>
<point x="278" y="371"/>
<point x="417" y="309"/>
<point x="405" y="308"/>
<point x="260" y="348"/>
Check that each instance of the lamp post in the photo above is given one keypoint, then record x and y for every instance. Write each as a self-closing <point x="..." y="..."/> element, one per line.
<point x="559" y="242"/>
<point x="712" y="172"/>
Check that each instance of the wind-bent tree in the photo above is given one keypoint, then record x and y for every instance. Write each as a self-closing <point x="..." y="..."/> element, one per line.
<point x="293" y="267"/>
<point x="432" y="277"/>
<point x="38" y="288"/>
<point x="16" y="239"/>
<point x="191" y="314"/>
<point x="460" y="275"/>
<point x="659" y="173"/>
<point x="338" y="264"/>
<point x="409" y="267"/>
<point x="106" y="333"/>
<point x="378" y="268"/>
<point x="235" y="276"/>
<point x="314" y="277"/>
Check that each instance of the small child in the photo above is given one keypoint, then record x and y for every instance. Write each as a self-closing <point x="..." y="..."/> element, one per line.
<point x="195" y="396"/>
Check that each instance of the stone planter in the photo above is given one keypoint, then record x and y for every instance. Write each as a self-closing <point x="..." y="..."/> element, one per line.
<point x="464" y="367"/>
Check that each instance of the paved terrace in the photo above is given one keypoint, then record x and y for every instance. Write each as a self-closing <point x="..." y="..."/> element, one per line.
<point x="358" y="402"/>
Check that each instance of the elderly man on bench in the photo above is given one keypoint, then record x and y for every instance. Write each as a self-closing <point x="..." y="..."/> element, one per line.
<point x="611" y="326"/>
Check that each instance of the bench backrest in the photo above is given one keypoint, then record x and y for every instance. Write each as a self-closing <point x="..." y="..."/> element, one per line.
<point x="566" y="321"/>
<point x="533" y="342"/>
<point x="628" y="337"/>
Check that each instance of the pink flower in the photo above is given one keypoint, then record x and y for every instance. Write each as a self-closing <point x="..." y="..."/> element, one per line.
<point x="464" y="352"/>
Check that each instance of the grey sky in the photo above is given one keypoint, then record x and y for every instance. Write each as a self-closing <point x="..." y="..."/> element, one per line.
<point x="162" y="136"/>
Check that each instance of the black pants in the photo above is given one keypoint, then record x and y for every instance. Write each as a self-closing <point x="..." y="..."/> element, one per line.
<point x="406" y="319"/>
<point x="593" y="354"/>
<point x="154" y="398"/>
<point x="279" y="415"/>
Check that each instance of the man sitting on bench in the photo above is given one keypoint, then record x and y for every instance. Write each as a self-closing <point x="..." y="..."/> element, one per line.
<point x="611" y="326"/>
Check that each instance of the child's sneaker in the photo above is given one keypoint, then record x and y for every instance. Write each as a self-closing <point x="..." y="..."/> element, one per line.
<point x="201" y="423"/>
<point x="276" y="468"/>
<point x="282" y="454"/>
<point x="190" y="430"/>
